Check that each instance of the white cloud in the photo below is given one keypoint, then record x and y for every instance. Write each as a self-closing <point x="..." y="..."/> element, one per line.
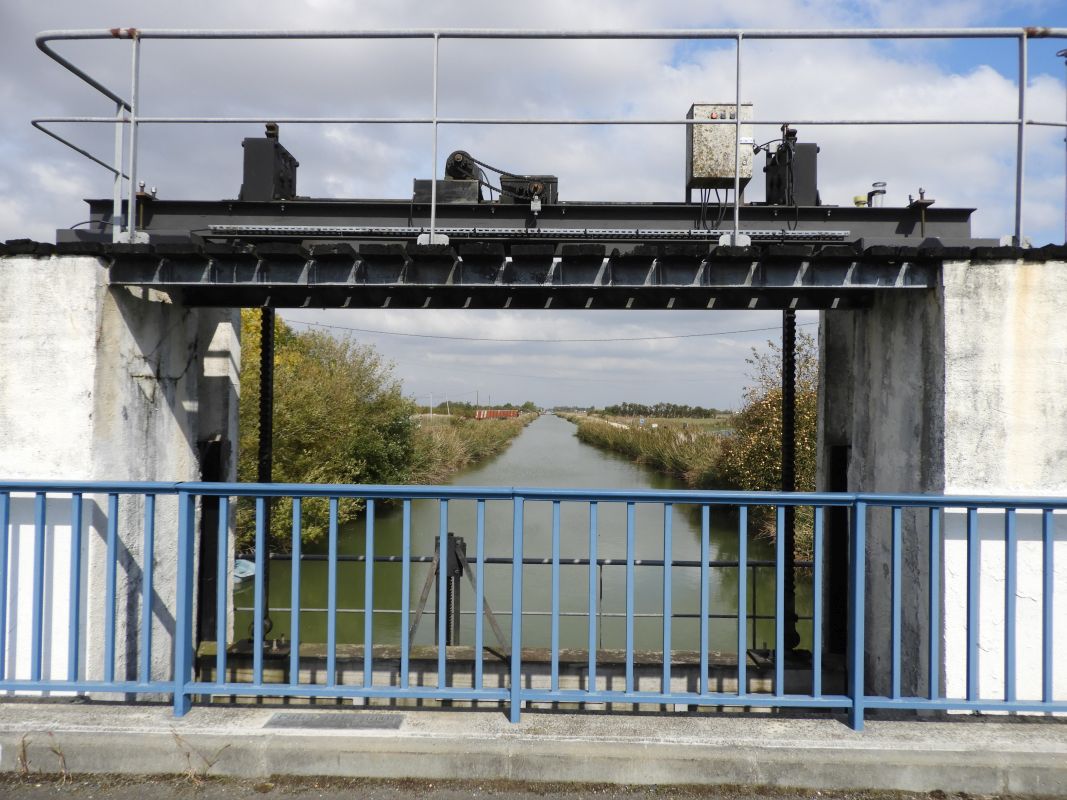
<point x="42" y="185"/>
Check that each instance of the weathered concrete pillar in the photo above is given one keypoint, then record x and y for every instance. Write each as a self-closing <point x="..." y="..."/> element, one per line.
<point x="110" y="385"/>
<point x="957" y="390"/>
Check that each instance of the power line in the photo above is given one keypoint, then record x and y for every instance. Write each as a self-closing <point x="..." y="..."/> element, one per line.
<point x="556" y="378"/>
<point x="539" y="341"/>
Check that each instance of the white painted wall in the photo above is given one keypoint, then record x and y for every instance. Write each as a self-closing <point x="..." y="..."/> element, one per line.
<point x="103" y="384"/>
<point x="1005" y="433"/>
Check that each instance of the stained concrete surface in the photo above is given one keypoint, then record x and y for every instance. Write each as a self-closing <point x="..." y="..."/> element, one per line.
<point x="978" y="755"/>
<point x="135" y="788"/>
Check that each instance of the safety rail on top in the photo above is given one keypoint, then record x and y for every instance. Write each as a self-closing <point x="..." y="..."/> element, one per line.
<point x="45" y="525"/>
<point x="127" y="110"/>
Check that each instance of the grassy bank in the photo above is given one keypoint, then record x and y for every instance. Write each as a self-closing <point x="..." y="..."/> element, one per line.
<point x="700" y="458"/>
<point x="689" y="454"/>
<point x="445" y="445"/>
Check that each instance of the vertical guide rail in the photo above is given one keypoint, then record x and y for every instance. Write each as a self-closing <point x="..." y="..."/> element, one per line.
<point x="705" y="555"/>
<point x="555" y="596"/>
<point x="896" y="601"/>
<point x="934" y="599"/>
<point x="146" y="586"/>
<point x="331" y="599"/>
<point x="368" y="599"/>
<point x="433" y="182"/>
<point x="73" y="643"/>
<point x="39" y="511"/>
<point x="1047" y="545"/>
<point x="116" y="192"/>
<point x="742" y="596"/>
<point x="135" y="88"/>
<point x="109" y="590"/>
<point x="516" y="609"/>
<point x="631" y="513"/>
<point x="816" y="604"/>
<point x="593" y="582"/>
<point x="668" y="514"/>
<point x="973" y="579"/>
<point x="405" y="591"/>
<point x="260" y="599"/>
<point x="183" y="616"/>
<point x="222" y="588"/>
<point x="442" y="592"/>
<point x="479" y="593"/>
<point x="5" y="521"/>
<point x="857" y="568"/>
<point x="1010" y="588"/>
<point x="1020" y="144"/>
<point x="737" y="147"/>
<point x="294" y="593"/>
<point x="779" y="603"/>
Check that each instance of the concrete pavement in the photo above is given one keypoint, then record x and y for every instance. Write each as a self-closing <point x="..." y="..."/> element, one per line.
<point x="978" y="755"/>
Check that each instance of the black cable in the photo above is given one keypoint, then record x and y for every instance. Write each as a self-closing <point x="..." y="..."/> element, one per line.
<point x="537" y="341"/>
<point x="722" y="207"/>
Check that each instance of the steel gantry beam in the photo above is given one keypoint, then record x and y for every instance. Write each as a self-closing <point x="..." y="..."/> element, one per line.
<point x="547" y="276"/>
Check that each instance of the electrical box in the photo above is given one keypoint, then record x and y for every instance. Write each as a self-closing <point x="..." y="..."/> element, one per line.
<point x="269" y="170"/>
<point x="448" y="191"/>
<point x="792" y="175"/>
<point x="709" y="149"/>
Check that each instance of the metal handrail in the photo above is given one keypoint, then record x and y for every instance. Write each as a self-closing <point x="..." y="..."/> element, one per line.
<point x="126" y="110"/>
<point x="903" y="543"/>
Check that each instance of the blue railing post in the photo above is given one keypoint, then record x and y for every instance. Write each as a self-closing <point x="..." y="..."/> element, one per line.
<point x="857" y="566"/>
<point x="516" y="611"/>
<point x="183" y="611"/>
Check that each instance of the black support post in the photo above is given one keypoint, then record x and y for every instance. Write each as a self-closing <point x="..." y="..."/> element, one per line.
<point x="266" y="436"/>
<point x="789" y="478"/>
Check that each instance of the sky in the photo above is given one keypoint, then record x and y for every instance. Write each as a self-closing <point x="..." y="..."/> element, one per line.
<point x="42" y="184"/>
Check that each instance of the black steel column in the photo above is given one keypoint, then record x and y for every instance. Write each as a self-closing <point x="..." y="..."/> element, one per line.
<point x="266" y="438"/>
<point x="789" y="477"/>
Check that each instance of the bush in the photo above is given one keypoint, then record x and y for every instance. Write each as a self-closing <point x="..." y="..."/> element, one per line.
<point x="752" y="457"/>
<point x="339" y="417"/>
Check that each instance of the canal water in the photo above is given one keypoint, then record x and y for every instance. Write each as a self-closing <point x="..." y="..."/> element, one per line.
<point x="546" y="454"/>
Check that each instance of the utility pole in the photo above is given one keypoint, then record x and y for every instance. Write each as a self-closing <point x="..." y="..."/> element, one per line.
<point x="431" y="405"/>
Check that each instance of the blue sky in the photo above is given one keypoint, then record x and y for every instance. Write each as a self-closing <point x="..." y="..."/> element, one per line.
<point x="42" y="185"/>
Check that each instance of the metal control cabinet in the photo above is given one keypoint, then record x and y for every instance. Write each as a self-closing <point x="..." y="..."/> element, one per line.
<point x="709" y="149"/>
<point x="269" y="170"/>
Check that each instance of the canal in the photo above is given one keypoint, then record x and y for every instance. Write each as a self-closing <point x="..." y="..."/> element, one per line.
<point x="546" y="454"/>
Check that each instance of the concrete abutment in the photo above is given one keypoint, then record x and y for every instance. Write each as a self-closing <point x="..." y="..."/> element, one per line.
<point x="105" y="384"/>
<point x="957" y="390"/>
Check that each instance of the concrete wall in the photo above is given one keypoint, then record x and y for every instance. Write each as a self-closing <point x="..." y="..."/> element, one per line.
<point x="103" y="384"/>
<point x="958" y="391"/>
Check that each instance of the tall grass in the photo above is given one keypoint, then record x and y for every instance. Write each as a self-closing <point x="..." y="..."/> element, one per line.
<point x="442" y="449"/>
<point x="690" y="456"/>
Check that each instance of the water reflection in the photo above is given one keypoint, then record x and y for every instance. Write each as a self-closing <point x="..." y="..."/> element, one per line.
<point x="546" y="454"/>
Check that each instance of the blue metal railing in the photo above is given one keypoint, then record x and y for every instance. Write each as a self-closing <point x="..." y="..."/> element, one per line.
<point x="117" y="590"/>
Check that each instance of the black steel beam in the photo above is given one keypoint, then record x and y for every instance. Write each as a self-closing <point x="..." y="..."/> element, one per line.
<point x="484" y="275"/>
<point x="174" y="219"/>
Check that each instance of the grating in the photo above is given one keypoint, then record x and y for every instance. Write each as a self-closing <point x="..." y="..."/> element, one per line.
<point x="333" y="720"/>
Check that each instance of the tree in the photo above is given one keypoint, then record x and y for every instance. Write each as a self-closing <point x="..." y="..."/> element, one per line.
<point x="339" y="417"/>
<point x="752" y="457"/>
